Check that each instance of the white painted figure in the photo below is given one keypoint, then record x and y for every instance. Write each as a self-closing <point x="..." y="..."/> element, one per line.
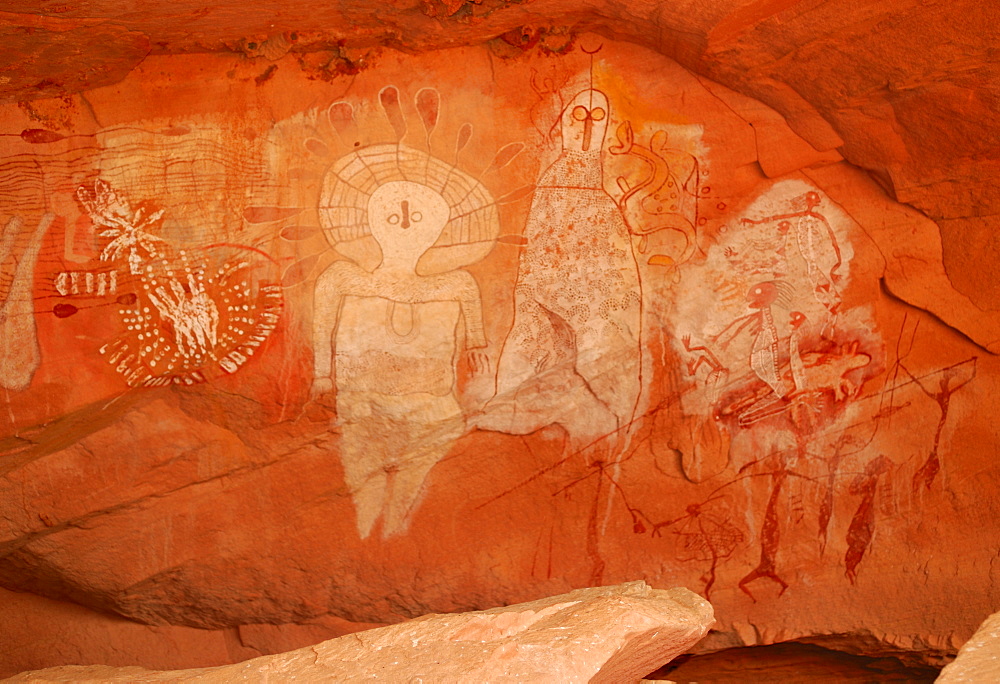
<point x="19" y="352"/>
<point x="572" y="357"/>
<point x="388" y="340"/>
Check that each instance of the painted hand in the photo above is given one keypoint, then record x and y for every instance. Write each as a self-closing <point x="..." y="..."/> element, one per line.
<point x="192" y="312"/>
<point x="479" y="362"/>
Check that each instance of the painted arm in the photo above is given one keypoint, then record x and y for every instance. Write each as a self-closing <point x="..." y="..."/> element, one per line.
<point x="328" y="297"/>
<point x="472" y="311"/>
<point x="740" y="323"/>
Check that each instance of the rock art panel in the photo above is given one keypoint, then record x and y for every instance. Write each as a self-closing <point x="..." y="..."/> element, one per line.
<point x="426" y="339"/>
<point x="187" y="316"/>
<point x="190" y="304"/>
<point x="763" y="330"/>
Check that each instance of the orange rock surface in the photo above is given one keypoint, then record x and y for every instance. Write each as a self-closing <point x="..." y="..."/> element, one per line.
<point x="315" y="317"/>
<point x="977" y="660"/>
<point x="607" y="634"/>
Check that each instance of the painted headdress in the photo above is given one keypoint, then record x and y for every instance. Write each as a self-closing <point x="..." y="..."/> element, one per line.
<point x="473" y="222"/>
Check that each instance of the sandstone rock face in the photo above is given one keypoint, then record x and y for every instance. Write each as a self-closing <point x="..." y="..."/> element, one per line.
<point x="39" y="631"/>
<point x="906" y="90"/>
<point x="979" y="659"/>
<point x="288" y="341"/>
<point x="607" y="634"/>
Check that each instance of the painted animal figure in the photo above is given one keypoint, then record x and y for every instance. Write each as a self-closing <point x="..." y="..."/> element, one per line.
<point x="666" y="199"/>
<point x="828" y="371"/>
<point x="813" y="374"/>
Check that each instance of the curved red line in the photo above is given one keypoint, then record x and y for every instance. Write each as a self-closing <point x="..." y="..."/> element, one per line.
<point x="247" y="247"/>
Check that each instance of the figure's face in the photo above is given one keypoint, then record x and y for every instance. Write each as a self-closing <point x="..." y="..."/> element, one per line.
<point x="762" y="295"/>
<point x="585" y="121"/>
<point x="406" y="218"/>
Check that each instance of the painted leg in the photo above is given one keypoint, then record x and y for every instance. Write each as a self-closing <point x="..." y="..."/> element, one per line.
<point x="362" y="430"/>
<point x="434" y="426"/>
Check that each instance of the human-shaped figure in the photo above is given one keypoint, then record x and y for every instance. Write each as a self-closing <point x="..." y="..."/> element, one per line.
<point x="806" y="230"/>
<point x="388" y="340"/>
<point x="572" y="356"/>
<point x="764" y="348"/>
<point x="770" y="539"/>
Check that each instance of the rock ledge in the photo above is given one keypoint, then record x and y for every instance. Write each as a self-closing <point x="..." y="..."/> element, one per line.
<point x="604" y="634"/>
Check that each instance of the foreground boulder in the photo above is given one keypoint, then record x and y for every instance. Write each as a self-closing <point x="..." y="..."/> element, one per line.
<point x="979" y="658"/>
<point x="605" y="634"/>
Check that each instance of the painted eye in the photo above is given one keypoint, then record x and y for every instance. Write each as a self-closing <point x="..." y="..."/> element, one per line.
<point x="597" y="114"/>
<point x="580" y="113"/>
<point x="393" y="219"/>
<point x="416" y="216"/>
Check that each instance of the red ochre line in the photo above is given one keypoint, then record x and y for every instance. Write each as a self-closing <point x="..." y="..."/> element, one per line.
<point x="236" y="246"/>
